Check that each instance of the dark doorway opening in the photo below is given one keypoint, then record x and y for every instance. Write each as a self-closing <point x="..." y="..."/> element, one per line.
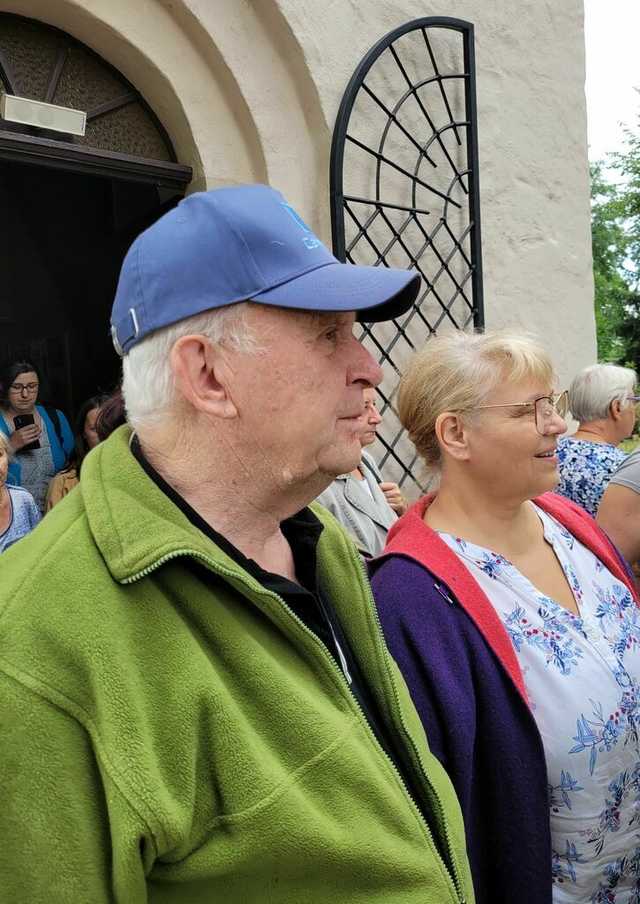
<point x="63" y="236"/>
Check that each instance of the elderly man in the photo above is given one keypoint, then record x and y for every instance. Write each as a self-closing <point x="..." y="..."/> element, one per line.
<point x="196" y="701"/>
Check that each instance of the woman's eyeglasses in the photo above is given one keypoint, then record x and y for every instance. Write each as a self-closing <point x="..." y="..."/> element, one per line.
<point x="545" y="409"/>
<point x="24" y="387"/>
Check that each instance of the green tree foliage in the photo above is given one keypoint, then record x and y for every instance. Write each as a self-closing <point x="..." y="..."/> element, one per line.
<point x="615" y="229"/>
<point x="609" y="243"/>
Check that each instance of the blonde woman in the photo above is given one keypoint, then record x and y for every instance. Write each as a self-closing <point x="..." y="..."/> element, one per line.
<point x="516" y="625"/>
<point x="18" y="512"/>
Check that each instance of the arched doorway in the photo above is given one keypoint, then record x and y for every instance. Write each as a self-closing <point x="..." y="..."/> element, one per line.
<point x="71" y="205"/>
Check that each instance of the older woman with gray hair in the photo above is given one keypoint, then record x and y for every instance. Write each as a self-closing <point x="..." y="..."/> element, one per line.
<point x="516" y="625"/>
<point x="18" y="512"/>
<point x="602" y="400"/>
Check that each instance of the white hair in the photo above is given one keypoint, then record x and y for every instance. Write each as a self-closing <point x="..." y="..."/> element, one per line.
<point x="148" y="384"/>
<point x="594" y="389"/>
<point x="5" y="445"/>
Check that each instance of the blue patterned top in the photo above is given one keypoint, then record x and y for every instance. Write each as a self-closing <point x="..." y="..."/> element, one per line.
<point x="585" y="469"/>
<point x="24" y="516"/>
<point x="582" y="675"/>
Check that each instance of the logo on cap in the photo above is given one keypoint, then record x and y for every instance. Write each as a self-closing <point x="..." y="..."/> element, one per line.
<point x="309" y="240"/>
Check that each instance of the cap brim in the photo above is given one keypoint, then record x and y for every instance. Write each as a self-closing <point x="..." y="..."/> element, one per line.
<point x="374" y="293"/>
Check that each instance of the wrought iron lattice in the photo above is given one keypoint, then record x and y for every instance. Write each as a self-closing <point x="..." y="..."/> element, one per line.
<point x="404" y="192"/>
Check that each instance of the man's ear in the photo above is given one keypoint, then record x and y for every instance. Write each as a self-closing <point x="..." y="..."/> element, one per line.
<point x="451" y="431"/>
<point x="202" y="375"/>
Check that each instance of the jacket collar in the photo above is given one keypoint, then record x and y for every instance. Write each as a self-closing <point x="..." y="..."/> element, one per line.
<point x="411" y="537"/>
<point x="376" y="508"/>
<point x="134" y="524"/>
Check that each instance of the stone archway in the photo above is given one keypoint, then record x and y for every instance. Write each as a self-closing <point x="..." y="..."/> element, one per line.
<point x="72" y="204"/>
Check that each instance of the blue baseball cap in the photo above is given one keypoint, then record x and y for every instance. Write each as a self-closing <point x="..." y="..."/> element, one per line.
<point x="244" y="243"/>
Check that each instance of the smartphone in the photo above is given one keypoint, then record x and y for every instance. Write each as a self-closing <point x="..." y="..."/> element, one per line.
<point x="23" y="420"/>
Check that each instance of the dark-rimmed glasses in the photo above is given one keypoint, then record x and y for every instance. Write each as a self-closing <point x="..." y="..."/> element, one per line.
<point x="24" y="387"/>
<point x="545" y="408"/>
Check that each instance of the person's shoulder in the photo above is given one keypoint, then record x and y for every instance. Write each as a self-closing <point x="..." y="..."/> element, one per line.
<point x="628" y="471"/>
<point x="323" y="510"/>
<point x="49" y="561"/>
<point x="399" y="569"/>
<point x="370" y="461"/>
<point x="19" y="494"/>
<point x="49" y="411"/>
<point x="412" y="549"/>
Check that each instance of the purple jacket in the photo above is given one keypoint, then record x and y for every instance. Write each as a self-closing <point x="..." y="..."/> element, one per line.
<point x="467" y="686"/>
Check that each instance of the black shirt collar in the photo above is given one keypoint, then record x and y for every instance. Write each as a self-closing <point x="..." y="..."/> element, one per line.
<point x="301" y="530"/>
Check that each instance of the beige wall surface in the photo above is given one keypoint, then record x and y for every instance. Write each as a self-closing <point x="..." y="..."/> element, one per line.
<point x="248" y="90"/>
<point x="534" y="178"/>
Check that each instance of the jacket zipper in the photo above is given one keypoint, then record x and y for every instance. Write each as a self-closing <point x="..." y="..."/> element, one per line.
<point x="453" y="873"/>
<point x="344" y="676"/>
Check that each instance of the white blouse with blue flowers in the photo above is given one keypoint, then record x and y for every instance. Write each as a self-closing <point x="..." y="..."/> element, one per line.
<point x="582" y="675"/>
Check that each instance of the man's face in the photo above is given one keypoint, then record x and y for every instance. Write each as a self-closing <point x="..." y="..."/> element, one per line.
<point x="300" y="398"/>
<point x="370" y="419"/>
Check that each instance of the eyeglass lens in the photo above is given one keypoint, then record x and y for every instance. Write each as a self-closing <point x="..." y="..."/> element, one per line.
<point x="21" y="387"/>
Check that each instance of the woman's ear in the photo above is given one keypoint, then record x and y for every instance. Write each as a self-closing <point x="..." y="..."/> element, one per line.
<point x="615" y="409"/>
<point x="202" y="376"/>
<point x="451" y="432"/>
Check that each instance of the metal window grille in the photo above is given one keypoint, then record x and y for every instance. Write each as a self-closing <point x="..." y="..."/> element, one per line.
<point x="404" y="192"/>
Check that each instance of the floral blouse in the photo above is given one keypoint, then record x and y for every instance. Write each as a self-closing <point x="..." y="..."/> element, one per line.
<point x="582" y="675"/>
<point x="585" y="468"/>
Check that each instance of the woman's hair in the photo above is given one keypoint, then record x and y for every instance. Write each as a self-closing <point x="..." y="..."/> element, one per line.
<point x="594" y="389"/>
<point x="94" y="402"/>
<point x="9" y="373"/>
<point x="111" y="414"/>
<point x="457" y="372"/>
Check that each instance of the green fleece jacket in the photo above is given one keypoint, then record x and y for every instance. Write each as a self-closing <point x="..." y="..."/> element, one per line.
<point x="170" y="732"/>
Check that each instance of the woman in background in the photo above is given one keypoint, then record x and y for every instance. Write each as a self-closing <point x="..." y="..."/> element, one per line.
<point x="86" y="439"/>
<point x="602" y="400"/>
<point x="18" y="512"/>
<point x="42" y="445"/>
<point x="515" y="623"/>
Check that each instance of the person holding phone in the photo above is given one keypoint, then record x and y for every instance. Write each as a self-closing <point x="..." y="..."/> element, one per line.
<point x="40" y="437"/>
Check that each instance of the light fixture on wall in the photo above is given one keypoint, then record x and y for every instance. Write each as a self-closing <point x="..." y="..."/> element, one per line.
<point x="44" y="116"/>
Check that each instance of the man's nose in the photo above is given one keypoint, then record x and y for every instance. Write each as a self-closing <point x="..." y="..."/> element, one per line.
<point x="363" y="368"/>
